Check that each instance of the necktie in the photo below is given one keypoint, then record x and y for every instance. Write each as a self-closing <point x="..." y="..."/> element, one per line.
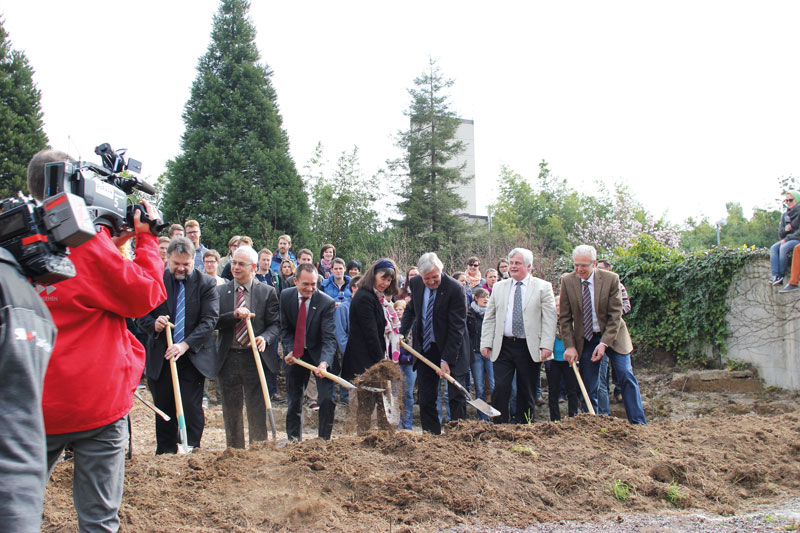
<point x="517" y="325"/>
<point x="180" y="313"/>
<point x="427" y="321"/>
<point x="587" y="312"/>
<point x="241" y="327"/>
<point x="300" y="331"/>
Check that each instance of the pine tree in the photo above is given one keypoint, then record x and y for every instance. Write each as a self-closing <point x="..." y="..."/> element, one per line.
<point x="21" y="126"/>
<point x="235" y="175"/>
<point x="429" y="204"/>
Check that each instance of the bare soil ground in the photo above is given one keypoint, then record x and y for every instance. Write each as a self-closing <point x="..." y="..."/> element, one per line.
<point x="704" y="453"/>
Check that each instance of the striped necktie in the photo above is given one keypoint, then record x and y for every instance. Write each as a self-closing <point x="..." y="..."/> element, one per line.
<point x="587" y="312"/>
<point x="241" y="327"/>
<point x="517" y="324"/>
<point x="427" y="321"/>
<point x="180" y="313"/>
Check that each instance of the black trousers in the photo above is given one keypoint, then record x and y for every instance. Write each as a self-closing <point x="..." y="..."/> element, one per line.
<point x="561" y="371"/>
<point x="428" y="390"/>
<point x="191" y="382"/>
<point x="514" y="356"/>
<point x="296" y="382"/>
<point x="239" y="383"/>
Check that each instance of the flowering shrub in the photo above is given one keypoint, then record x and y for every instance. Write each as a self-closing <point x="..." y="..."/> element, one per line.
<point x="621" y="226"/>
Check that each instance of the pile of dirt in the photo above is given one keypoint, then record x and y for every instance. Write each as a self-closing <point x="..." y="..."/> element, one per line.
<point x="476" y="473"/>
<point x="378" y="374"/>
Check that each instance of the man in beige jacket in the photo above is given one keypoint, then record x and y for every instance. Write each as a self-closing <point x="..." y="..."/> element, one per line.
<point x="519" y="329"/>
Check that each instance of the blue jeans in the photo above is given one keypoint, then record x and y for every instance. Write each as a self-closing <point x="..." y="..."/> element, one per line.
<point x="590" y="373"/>
<point x="409" y="378"/>
<point x="444" y="417"/>
<point x="482" y="367"/>
<point x="779" y="256"/>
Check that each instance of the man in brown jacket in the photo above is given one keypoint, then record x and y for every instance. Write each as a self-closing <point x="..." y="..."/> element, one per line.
<point x="592" y="326"/>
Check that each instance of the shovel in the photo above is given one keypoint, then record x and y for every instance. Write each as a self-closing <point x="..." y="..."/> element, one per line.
<point x="390" y="405"/>
<point x="333" y="377"/>
<point x="261" y="377"/>
<point x="183" y="447"/>
<point x="583" y="389"/>
<point x="152" y="407"/>
<point x="477" y="403"/>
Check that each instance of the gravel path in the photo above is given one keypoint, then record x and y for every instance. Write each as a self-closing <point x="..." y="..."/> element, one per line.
<point x="782" y="516"/>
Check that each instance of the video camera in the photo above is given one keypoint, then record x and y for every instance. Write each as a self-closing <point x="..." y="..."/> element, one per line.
<point x="79" y="198"/>
<point x="103" y="189"/>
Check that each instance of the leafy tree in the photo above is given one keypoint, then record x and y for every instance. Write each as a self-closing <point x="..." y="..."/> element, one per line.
<point x="761" y="230"/>
<point x="342" y="205"/>
<point x="235" y="175"/>
<point x="547" y="209"/>
<point x="21" y="126"/>
<point x="428" y="201"/>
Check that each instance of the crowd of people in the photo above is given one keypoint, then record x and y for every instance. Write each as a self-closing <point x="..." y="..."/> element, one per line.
<point x="210" y="314"/>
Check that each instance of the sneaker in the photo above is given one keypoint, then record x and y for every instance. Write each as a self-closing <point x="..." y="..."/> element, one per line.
<point x="314" y="406"/>
<point x="539" y="401"/>
<point x="777" y="281"/>
<point x="789" y="288"/>
<point x="276" y="398"/>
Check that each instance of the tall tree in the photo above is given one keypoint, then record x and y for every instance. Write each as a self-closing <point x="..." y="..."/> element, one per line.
<point x="235" y="175"/>
<point x="21" y="126"/>
<point x="429" y="203"/>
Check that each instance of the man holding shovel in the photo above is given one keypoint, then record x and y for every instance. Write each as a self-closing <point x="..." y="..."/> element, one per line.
<point x="237" y="373"/>
<point x="192" y="306"/>
<point x="519" y="329"/>
<point x="308" y="332"/>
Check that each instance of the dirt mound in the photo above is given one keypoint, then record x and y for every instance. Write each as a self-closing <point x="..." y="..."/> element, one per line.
<point x="476" y="473"/>
<point x="378" y="374"/>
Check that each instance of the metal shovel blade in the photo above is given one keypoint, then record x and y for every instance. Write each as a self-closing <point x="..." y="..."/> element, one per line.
<point x="272" y="424"/>
<point x="371" y="389"/>
<point x="484" y="407"/>
<point x="390" y="406"/>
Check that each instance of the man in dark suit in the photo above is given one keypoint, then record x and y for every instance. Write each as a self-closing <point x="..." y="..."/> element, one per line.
<point x="192" y="306"/>
<point x="438" y="314"/>
<point x="592" y="327"/>
<point x="308" y="332"/>
<point x="236" y="367"/>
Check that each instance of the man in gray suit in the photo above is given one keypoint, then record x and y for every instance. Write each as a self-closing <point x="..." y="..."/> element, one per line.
<point x="519" y="330"/>
<point x="192" y="306"/>
<point x="237" y="372"/>
<point x="308" y="333"/>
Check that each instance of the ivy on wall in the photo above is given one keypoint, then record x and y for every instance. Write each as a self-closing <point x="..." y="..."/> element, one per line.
<point x="679" y="299"/>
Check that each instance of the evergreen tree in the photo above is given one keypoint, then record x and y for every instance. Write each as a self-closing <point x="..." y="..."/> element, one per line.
<point x="235" y="175"/>
<point x="21" y="133"/>
<point x="429" y="203"/>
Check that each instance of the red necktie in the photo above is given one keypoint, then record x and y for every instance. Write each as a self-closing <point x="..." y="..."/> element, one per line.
<point x="300" y="331"/>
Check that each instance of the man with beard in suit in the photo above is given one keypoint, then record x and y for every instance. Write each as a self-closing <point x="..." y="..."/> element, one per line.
<point x="192" y="306"/>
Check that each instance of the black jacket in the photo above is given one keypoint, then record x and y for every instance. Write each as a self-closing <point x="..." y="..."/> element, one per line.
<point x="320" y="327"/>
<point x="202" y="311"/>
<point x="449" y="318"/>
<point x="366" y="344"/>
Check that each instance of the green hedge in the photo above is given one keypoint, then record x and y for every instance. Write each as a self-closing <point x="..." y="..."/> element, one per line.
<point x="679" y="299"/>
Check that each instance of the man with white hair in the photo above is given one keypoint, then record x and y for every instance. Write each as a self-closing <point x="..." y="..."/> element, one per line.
<point x="592" y="326"/>
<point x="519" y="329"/>
<point x="237" y="373"/>
<point x="438" y="313"/>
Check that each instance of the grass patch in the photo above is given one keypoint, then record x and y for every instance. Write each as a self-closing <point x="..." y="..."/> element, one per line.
<point x="621" y="490"/>
<point x="674" y="495"/>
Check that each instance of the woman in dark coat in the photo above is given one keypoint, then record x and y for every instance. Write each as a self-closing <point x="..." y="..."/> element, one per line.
<point x="372" y="322"/>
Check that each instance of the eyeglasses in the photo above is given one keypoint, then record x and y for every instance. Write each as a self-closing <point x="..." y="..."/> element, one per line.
<point x="474" y="264"/>
<point x="789" y="201"/>
<point x="209" y="260"/>
<point x="582" y="265"/>
<point x="240" y="264"/>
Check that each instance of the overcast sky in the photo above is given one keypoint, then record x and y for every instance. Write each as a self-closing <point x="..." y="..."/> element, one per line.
<point x="691" y="104"/>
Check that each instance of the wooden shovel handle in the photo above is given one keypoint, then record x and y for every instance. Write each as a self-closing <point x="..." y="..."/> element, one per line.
<point x="427" y="361"/>
<point x="259" y="366"/>
<point x="583" y="389"/>
<point x="333" y="377"/>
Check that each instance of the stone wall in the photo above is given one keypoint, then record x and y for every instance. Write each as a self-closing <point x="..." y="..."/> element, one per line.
<point x="765" y="326"/>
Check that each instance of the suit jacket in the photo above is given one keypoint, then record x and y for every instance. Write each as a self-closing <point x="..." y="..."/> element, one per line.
<point x="607" y="306"/>
<point x="201" y="315"/>
<point x="320" y="326"/>
<point x="449" y="318"/>
<point x="366" y="344"/>
<point x="264" y="303"/>
<point x="538" y="316"/>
